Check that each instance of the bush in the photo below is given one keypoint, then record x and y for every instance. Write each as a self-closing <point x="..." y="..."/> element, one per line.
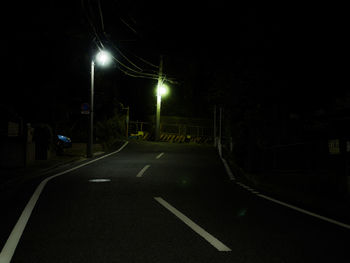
<point x="111" y="130"/>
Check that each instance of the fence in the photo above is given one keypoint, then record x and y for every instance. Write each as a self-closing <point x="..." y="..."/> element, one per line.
<point x="306" y="156"/>
<point x="184" y="129"/>
<point x="174" y="132"/>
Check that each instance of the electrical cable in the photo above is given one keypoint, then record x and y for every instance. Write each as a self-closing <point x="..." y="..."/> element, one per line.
<point x="101" y="16"/>
<point x="139" y="73"/>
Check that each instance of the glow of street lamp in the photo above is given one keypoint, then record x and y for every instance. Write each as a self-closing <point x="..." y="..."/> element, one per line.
<point x="163" y="90"/>
<point x="103" y="58"/>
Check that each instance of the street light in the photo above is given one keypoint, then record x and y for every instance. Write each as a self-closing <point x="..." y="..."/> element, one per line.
<point x="162" y="90"/>
<point x="102" y="58"/>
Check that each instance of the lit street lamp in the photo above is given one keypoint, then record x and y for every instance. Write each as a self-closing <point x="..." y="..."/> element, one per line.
<point x="102" y="58"/>
<point x="162" y="90"/>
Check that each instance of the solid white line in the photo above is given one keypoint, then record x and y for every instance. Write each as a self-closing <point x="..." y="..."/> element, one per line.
<point x="247" y="187"/>
<point x="143" y="170"/>
<point x="228" y="170"/>
<point x="200" y="231"/>
<point x="159" y="155"/>
<point x="12" y="241"/>
<point x="306" y="212"/>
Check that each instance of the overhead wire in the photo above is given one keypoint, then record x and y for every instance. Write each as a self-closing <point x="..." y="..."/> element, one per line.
<point x="101" y="16"/>
<point x="103" y="30"/>
<point x="145" y="61"/>
<point x="131" y="28"/>
<point x="126" y="58"/>
<point x="95" y="34"/>
<point x="138" y="72"/>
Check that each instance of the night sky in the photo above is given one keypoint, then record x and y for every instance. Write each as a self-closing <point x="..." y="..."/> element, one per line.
<point x="270" y="56"/>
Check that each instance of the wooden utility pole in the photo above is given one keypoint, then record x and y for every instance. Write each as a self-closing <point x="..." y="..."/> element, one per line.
<point x="214" y="135"/>
<point x="159" y="98"/>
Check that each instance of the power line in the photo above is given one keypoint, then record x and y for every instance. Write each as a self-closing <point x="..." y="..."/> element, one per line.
<point x="145" y="61"/>
<point x="121" y="53"/>
<point x="138" y="71"/>
<point x="132" y="29"/>
<point x="95" y="34"/>
<point x="101" y="16"/>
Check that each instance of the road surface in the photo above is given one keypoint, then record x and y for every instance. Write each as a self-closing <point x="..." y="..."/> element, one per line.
<point x="159" y="202"/>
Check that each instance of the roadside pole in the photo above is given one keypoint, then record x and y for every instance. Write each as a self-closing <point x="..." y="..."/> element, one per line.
<point x="219" y="142"/>
<point x="159" y="97"/>
<point x="215" y="142"/>
<point x="89" y="147"/>
<point x="220" y="123"/>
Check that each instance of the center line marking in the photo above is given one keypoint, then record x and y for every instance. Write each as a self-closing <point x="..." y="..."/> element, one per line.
<point x="200" y="231"/>
<point x="143" y="170"/>
<point x="159" y="155"/>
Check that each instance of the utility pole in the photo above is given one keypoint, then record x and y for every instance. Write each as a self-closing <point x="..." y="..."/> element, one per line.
<point x="159" y="98"/>
<point x="214" y="126"/>
<point x="89" y="148"/>
<point x="220" y="124"/>
<point x="126" y="120"/>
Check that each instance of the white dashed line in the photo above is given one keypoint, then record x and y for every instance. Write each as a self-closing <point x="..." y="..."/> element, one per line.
<point x="143" y="170"/>
<point x="159" y="155"/>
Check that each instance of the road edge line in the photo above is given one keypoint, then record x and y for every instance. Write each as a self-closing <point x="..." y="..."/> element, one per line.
<point x="228" y="169"/>
<point x="196" y="228"/>
<point x="329" y="220"/>
<point x="10" y="246"/>
<point x="304" y="211"/>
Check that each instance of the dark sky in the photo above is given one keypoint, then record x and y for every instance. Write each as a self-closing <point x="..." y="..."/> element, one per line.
<point x="274" y="52"/>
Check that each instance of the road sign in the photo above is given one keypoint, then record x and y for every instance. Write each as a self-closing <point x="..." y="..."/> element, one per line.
<point x="85" y="108"/>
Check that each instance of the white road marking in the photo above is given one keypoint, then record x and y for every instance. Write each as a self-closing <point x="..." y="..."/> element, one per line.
<point x="143" y="170"/>
<point x="246" y="187"/>
<point x="99" y="180"/>
<point x="228" y="170"/>
<point x="200" y="231"/>
<point x="159" y="155"/>
<point x="295" y="207"/>
<point x="10" y="246"/>
<point x="305" y="211"/>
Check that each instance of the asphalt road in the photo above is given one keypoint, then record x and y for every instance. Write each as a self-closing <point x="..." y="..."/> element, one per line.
<point x="160" y="202"/>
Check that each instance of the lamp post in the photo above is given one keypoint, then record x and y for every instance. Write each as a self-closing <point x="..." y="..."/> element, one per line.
<point x="102" y="58"/>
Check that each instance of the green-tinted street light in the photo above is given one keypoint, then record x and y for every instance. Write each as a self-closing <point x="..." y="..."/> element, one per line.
<point x="162" y="90"/>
